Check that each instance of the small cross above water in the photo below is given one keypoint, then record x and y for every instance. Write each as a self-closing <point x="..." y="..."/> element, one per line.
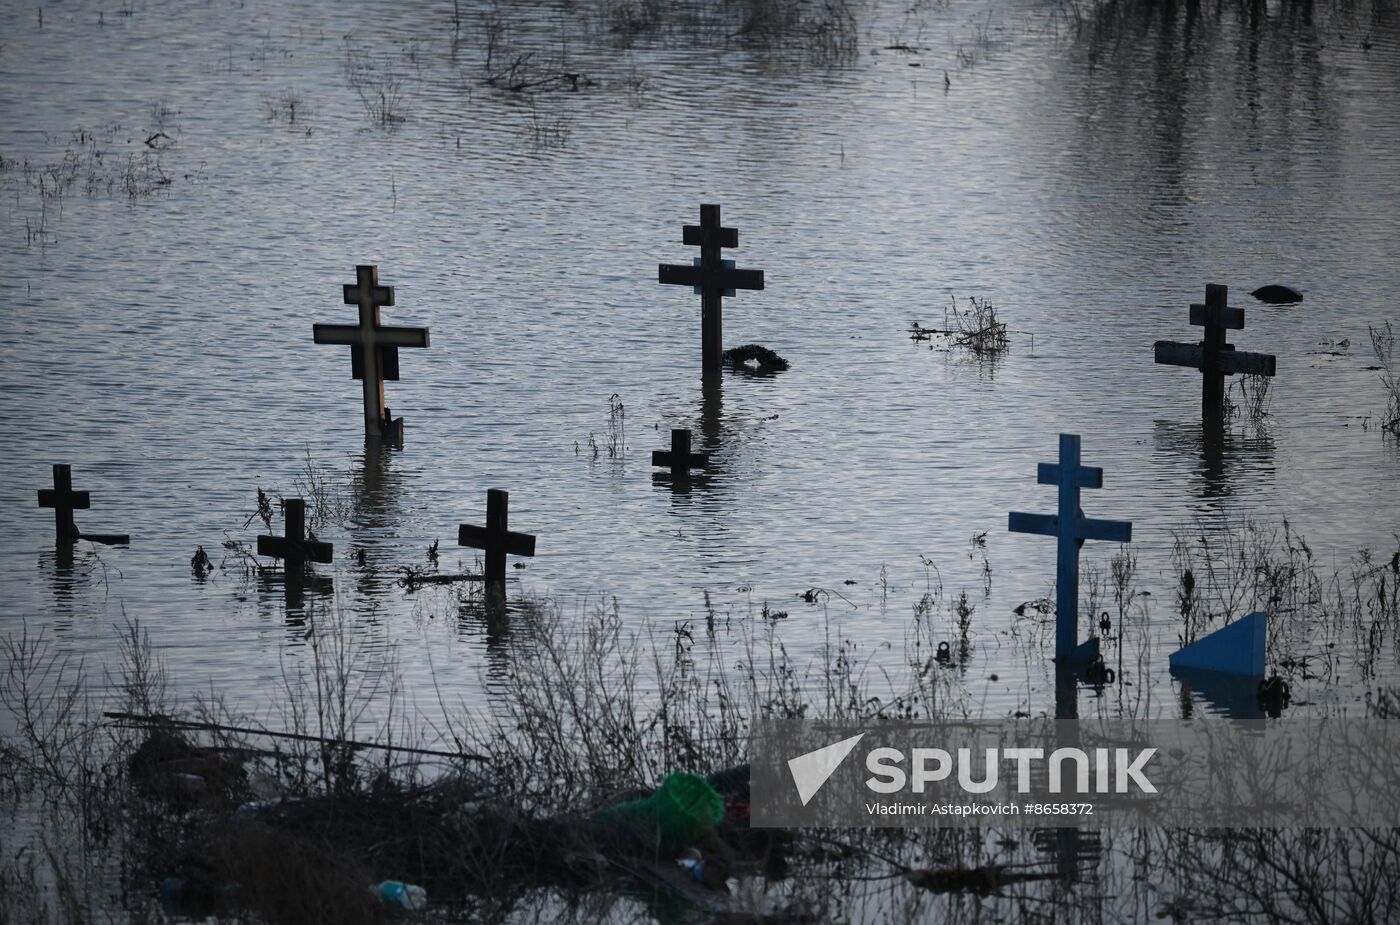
<point x="294" y="548"/>
<point x="1070" y="527"/>
<point x="496" y="538"/>
<point x="64" y="501"/>
<point x="374" y="348"/>
<point x="712" y="278"/>
<point x="1215" y="358"/>
<point x="680" y="460"/>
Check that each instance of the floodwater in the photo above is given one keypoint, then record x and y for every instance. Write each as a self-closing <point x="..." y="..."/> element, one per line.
<point x="1088" y="181"/>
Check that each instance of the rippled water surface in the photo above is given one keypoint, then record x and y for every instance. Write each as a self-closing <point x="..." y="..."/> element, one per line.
<point x="1088" y="181"/>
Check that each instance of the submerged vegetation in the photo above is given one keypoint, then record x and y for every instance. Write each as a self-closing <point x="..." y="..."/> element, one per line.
<point x="1322" y="616"/>
<point x="614" y="441"/>
<point x="381" y="85"/>
<point x="286" y="105"/>
<point x="113" y="160"/>
<point x="1383" y="345"/>
<point x="518" y="59"/>
<point x="289" y="813"/>
<point x="824" y="31"/>
<point x="975" y="328"/>
<point x="1249" y="396"/>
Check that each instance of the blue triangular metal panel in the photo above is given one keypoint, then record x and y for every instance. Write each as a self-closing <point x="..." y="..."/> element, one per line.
<point x="1237" y="648"/>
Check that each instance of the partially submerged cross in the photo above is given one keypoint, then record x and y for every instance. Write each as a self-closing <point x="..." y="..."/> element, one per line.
<point x="294" y="548"/>
<point x="680" y="460"/>
<point x="64" y="501"/>
<point x="496" y="538"/>
<point x="712" y="278"/>
<point x="1070" y="527"/>
<point x="1215" y="358"/>
<point x="374" y="349"/>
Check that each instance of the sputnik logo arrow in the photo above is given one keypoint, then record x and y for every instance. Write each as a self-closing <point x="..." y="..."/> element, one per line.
<point x="812" y="770"/>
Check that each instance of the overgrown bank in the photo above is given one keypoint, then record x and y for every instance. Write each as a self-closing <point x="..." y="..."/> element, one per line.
<point x="500" y="810"/>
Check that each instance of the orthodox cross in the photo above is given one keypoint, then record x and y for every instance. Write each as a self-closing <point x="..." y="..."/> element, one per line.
<point x="712" y="278"/>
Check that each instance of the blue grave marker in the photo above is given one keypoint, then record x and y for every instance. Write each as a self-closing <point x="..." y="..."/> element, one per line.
<point x="1071" y="528"/>
<point x="1234" y="649"/>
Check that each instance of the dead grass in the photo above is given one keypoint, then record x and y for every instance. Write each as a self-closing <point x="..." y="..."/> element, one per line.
<point x="381" y="83"/>
<point x="1383" y="345"/>
<point x="286" y="106"/>
<point x="592" y="708"/>
<point x="103" y="162"/>
<point x="1228" y="569"/>
<point x="1249" y="396"/>
<point x="975" y="328"/>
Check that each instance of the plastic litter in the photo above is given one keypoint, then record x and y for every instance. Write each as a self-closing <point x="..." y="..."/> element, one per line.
<point x="681" y="810"/>
<point x="404" y="895"/>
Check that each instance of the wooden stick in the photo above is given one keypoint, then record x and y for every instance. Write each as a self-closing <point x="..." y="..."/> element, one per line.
<point x="157" y="719"/>
<point x="410" y="580"/>
<point x="106" y="539"/>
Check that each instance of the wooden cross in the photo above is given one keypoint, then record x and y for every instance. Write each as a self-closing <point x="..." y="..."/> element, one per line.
<point x="294" y="548"/>
<point x="1070" y="527"/>
<point x="496" y="537"/>
<point x="712" y="278"/>
<point x="680" y="460"/>
<point x="1213" y="356"/>
<point x="374" y="349"/>
<point x="64" y="501"/>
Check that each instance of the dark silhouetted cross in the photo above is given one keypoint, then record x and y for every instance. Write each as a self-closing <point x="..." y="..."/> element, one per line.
<point x="712" y="278"/>
<point x="294" y="548"/>
<point x="680" y="460"/>
<point x="374" y="349"/>
<point x="1215" y="358"/>
<point x="496" y="538"/>
<point x="64" y="501"/>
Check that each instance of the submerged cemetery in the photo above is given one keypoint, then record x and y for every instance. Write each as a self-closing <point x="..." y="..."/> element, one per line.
<point x="996" y="265"/>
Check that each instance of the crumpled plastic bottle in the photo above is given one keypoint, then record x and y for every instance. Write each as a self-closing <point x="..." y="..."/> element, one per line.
<point x="404" y="895"/>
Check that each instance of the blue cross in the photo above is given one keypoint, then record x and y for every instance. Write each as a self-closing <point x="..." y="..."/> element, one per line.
<point x="1071" y="528"/>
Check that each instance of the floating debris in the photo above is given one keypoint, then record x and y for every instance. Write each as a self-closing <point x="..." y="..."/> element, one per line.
<point x="413" y="579"/>
<point x="754" y="358"/>
<point x="1041" y="606"/>
<point x="1277" y="295"/>
<point x="979" y="881"/>
<point x="976" y="328"/>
